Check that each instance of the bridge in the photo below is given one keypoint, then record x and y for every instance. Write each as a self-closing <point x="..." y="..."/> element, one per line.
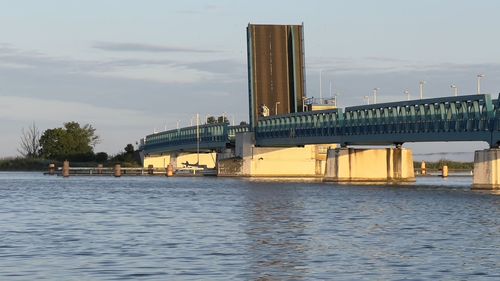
<point x="457" y="118"/>
<point x="460" y="118"/>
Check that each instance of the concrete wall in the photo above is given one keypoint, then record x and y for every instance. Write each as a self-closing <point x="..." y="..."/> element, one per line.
<point x="486" y="169"/>
<point x="156" y="161"/>
<point x="388" y="164"/>
<point x="251" y="161"/>
<point x="178" y="161"/>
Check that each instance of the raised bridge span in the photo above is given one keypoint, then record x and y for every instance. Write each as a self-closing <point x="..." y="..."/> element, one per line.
<point x="460" y="118"/>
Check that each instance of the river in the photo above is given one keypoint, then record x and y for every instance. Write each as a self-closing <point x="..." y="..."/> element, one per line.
<point x="157" y="228"/>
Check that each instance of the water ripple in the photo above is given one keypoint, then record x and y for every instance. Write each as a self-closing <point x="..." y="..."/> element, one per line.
<point x="154" y="228"/>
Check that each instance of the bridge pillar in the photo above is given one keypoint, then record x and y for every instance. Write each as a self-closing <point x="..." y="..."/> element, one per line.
<point x="369" y="165"/>
<point x="487" y="169"/>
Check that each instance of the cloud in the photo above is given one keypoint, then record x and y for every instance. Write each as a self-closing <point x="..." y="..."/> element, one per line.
<point x="380" y="65"/>
<point x="49" y="110"/>
<point x="149" y="69"/>
<point x="138" y="47"/>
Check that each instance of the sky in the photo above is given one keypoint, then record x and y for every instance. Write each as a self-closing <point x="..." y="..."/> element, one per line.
<point x="132" y="67"/>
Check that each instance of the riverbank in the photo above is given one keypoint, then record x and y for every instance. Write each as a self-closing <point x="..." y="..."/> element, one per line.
<point x="41" y="165"/>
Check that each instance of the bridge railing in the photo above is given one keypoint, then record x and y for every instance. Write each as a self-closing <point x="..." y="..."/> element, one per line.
<point x="455" y="118"/>
<point x="233" y="130"/>
<point x="470" y="113"/>
<point x="303" y="124"/>
<point x="203" y="134"/>
<point x="471" y="117"/>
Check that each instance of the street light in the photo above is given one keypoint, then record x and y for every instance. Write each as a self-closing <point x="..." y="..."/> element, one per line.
<point x="479" y="76"/>
<point x="421" y="88"/>
<point x="367" y="99"/>
<point x="407" y="93"/>
<point x="320" y="92"/>
<point x="304" y="109"/>
<point x="455" y="89"/>
<point x="375" y="91"/>
<point x="276" y="108"/>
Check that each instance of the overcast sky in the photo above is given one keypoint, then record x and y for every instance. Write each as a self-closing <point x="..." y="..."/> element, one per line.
<point x="130" y="67"/>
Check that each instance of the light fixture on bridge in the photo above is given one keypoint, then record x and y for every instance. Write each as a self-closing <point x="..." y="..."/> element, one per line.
<point x="479" y="76"/>
<point x="407" y="93"/>
<point x="455" y="89"/>
<point x="367" y="99"/>
<point x="421" y="88"/>
<point x="375" y="91"/>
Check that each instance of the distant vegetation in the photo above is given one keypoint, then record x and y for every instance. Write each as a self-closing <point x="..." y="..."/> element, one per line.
<point x="71" y="142"/>
<point x="453" y="165"/>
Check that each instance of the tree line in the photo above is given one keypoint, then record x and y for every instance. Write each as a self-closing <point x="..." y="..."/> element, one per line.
<point x="72" y="142"/>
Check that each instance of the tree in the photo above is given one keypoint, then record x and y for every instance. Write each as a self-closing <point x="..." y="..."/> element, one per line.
<point x="30" y="142"/>
<point x="129" y="149"/>
<point x="72" y="142"/>
<point x="211" y="120"/>
<point x="101" y="157"/>
<point x="222" y="119"/>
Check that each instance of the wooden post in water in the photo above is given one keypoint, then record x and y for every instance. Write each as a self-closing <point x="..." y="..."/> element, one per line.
<point x="423" y="169"/>
<point x="118" y="171"/>
<point x="52" y="168"/>
<point x="65" y="169"/>
<point x="444" y="171"/>
<point x="170" y="170"/>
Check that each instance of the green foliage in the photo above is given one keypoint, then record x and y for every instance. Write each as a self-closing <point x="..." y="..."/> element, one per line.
<point x="453" y="165"/>
<point x="218" y="120"/>
<point x="129" y="149"/>
<point x="23" y="164"/>
<point x="101" y="157"/>
<point x="72" y="142"/>
<point x="211" y="120"/>
<point x="129" y="156"/>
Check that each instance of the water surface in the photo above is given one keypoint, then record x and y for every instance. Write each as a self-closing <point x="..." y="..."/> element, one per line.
<point x="157" y="228"/>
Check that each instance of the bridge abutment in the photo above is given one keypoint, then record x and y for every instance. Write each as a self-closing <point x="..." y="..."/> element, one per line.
<point x="369" y="165"/>
<point x="487" y="169"/>
<point x="252" y="161"/>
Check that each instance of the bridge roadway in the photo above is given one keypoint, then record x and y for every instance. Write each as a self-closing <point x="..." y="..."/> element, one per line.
<point x="461" y="118"/>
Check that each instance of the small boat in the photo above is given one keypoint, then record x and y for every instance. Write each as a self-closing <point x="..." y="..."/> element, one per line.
<point x="190" y="172"/>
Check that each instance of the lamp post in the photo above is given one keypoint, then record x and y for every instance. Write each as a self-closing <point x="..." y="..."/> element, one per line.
<point x="479" y="76"/>
<point x="320" y="92"/>
<point x="407" y="93"/>
<point x="367" y="99"/>
<point x="276" y="108"/>
<point x="455" y="89"/>
<point x="375" y="91"/>
<point x="421" y="88"/>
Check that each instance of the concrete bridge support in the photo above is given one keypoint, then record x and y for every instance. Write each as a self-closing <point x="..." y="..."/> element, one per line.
<point x="369" y="165"/>
<point x="252" y="161"/>
<point x="487" y="169"/>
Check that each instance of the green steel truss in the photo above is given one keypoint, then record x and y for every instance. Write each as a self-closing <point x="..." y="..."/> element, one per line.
<point x="209" y="137"/>
<point x="462" y="118"/>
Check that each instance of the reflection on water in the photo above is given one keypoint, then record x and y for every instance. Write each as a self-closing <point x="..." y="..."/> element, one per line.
<point x="159" y="228"/>
<point x="274" y="225"/>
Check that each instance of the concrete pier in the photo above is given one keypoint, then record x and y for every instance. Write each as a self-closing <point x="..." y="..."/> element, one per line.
<point x="487" y="169"/>
<point x="251" y="161"/>
<point x="369" y="165"/>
